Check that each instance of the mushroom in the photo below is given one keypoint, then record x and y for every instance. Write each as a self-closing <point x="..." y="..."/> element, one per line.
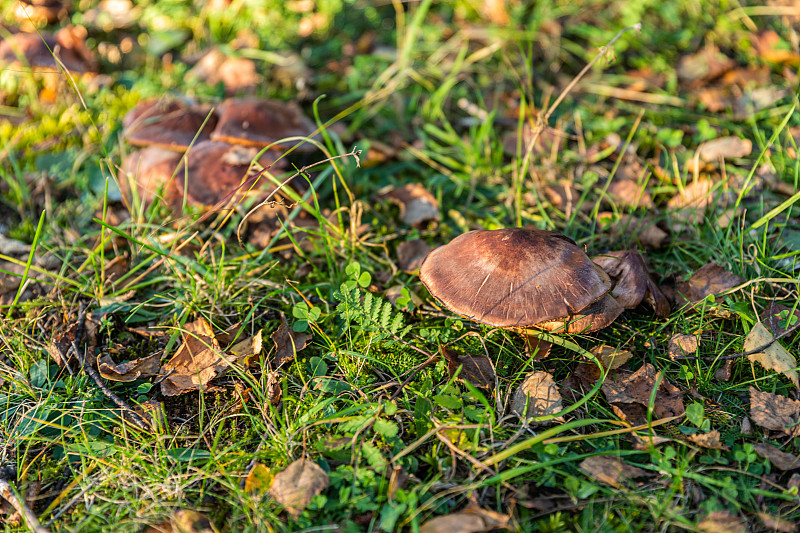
<point x="37" y="50"/>
<point x="150" y="171"/>
<point x="519" y="279"/>
<point x="213" y="171"/>
<point x="168" y="124"/>
<point x="632" y="281"/>
<point x="261" y="123"/>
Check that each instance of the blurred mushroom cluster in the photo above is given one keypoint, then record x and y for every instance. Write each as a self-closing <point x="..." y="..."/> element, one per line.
<point x="205" y="155"/>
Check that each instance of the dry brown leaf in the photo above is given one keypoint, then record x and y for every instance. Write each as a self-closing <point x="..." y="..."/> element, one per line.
<point x="779" y="459"/>
<point x="274" y="388"/>
<point x="776" y="523"/>
<point x="417" y="205"/>
<point x="709" y="279"/>
<point x="724" y="148"/>
<point x="537" y="396"/>
<point x="628" y="193"/>
<point x="197" y="361"/>
<point x="259" y="479"/>
<point x="645" y="443"/>
<point x="410" y="254"/>
<point x="247" y="348"/>
<point x="184" y="521"/>
<point x="725" y="371"/>
<point x="681" y="345"/>
<point x="721" y="522"/>
<point x="768" y="45"/>
<point x="473" y="519"/>
<point x="774" y="357"/>
<point x="144" y="367"/>
<point x="647" y="233"/>
<point x="689" y="205"/>
<point x="287" y="343"/>
<point x="708" y="440"/>
<point x="703" y="66"/>
<point x="296" y="486"/>
<point x="611" y="470"/>
<point x="59" y="347"/>
<point x="775" y="412"/>
<point x="630" y="394"/>
<point x="475" y="368"/>
<point x="611" y="358"/>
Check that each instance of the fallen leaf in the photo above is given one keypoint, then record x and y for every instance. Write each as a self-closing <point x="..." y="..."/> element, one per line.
<point x="709" y="279"/>
<point x="197" y="361"/>
<point x="775" y="412"/>
<point x="769" y="47"/>
<point x="59" y="346"/>
<point x="721" y="522"/>
<point x="13" y="247"/>
<point x="774" y="357"/>
<point x="537" y="396"/>
<point x="704" y="65"/>
<point x="287" y="343"/>
<point x="632" y="281"/>
<point x="611" y="358"/>
<point x="688" y="206"/>
<point x="473" y="519"/>
<point x="724" y="148"/>
<point x="708" y="440"/>
<point x="681" y="345"/>
<point x="779" y="459"/>
<point x="247" y="348"/>
<point x="296" y="486"/>
<point x="144" y="367"/>
<point x="746" y="427"/>
<point x="725" y="370"/>
<point x="274" y="388"/>
<point x="184" y="521"/>
<point x="629" y="193"/>
<point x="630" y="394"/>
<point x="410" y="254"/>
<point x="776" y="523"/>
<point x="417" y="205"/>
<point x="647" y="233"/>
<point x="475" y="368"/>
<point x="259" y="479"/>
<point x="647" y="442"/>
<point x="611" y="470"/>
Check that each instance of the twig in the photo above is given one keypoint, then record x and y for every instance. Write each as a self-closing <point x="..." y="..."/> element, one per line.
<point x="134" y="417"/>
<point x="740" y="354"/>
<point x="9" y="494"/>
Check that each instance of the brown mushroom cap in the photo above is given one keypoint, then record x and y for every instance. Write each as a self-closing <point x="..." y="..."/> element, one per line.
<point x="256" y="122"/>
<point x="214" y="170"/>
<point x="632" y="281"/>
<point x="150" y="170"/>
<point x="168" y="124"/>
<point x="514" y="278"/>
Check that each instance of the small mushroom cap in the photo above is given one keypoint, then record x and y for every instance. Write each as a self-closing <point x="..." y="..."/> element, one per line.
<point x="168" y="124"/>
<point x="214" y="170"/>
<point x="632" y="281"/>
<point x="149" y="171"/>
<point x="513" y="278"/>
<point x="256" y="122"/>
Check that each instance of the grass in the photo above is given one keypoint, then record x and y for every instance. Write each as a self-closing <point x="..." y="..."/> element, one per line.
<point x="441" y="86"/>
